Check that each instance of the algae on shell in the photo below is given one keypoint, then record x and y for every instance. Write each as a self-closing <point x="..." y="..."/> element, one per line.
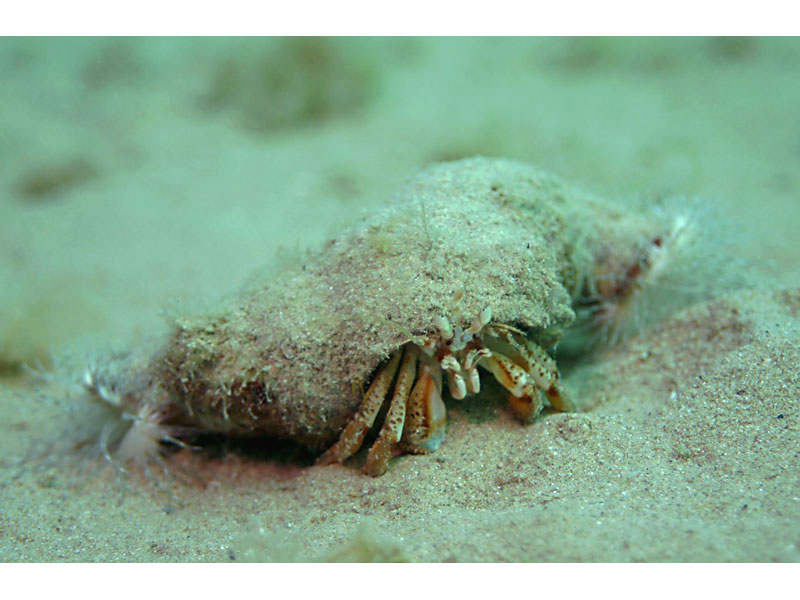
<point x="287" y="357"/>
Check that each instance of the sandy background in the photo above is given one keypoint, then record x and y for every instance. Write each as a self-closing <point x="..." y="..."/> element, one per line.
<point x="144" y="176"/>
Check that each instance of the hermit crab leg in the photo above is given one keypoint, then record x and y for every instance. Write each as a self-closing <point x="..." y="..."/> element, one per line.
<point x="544" y="371"/>
<point x="455" y="381"/>
<point x="470" y="367"/>
<point x="392" y="430"/>
<point x="538" y="364"/>
<point x="353" y="435"/>
<point x="523" y="396"/>
<point x="426" y="417"/>
<point x="528" y="404"/>
<point x="510" y="375"/>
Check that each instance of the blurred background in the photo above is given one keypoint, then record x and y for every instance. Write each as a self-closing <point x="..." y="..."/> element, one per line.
<point x="137" y="174"/>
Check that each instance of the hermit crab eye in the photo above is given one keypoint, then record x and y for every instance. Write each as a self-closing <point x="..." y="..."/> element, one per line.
<point x="442" y="323"/>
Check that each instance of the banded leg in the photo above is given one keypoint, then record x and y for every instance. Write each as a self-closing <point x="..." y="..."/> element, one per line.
<point x="392" y="430"/>
<point x="352" y="437"/>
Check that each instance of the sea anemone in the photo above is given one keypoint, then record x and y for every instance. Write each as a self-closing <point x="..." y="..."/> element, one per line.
<point x="112" y="415"/>
<point x="690" y="260"/>
<point x="136" y="433"/>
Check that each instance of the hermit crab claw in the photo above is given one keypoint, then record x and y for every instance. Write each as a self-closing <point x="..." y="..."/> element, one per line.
<point x="416" y="418"/>
<point x="426" y="417"/>
<point x="416" y="415"/>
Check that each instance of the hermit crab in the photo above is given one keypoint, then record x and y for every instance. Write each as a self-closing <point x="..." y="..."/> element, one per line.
<point x="475" y="269"/>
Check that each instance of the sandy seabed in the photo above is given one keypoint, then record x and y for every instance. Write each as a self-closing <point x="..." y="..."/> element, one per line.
<point x="138" y="176"/>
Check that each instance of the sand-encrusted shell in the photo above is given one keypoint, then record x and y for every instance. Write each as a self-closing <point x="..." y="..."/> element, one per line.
<point x="286" y="358"/>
